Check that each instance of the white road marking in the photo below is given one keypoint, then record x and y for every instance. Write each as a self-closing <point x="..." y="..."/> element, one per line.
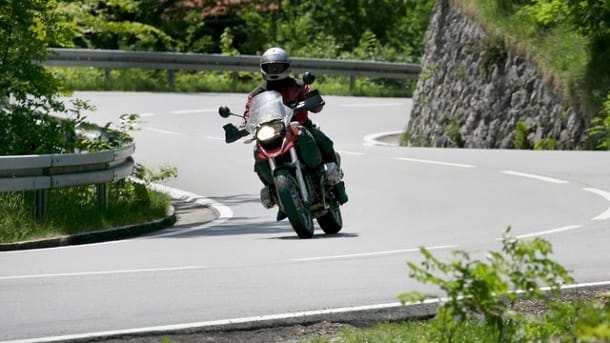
<point x="605" y="195"/>
<point x="373" y="139"/>
<point x="542" y="233"/>
<point x="161" y="131"/>
<point x="106" y="272"/>
<point x="533" y="176"/>
<point x="212" y="323"/>
<point x="224" y="212"/>
<point x="215" y="138"/>
<point x="258" y="319"/>
<point x="144" y="115"/>
<point x="353" y="153"/>
<point x="378" y="253"/>
<point x="198" y="110"/>
<point x="603" y="216"/>
<point x="441" y="163"/>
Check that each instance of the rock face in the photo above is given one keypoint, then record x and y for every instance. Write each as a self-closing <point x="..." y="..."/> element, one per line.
<point x="472" y="92"/>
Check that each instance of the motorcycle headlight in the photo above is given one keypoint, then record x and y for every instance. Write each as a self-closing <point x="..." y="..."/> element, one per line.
<point x="265" y="132"/>
<point x="270" y="131"/>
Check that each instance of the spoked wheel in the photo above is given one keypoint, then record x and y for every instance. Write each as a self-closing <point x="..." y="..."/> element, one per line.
<point x="331" y="222"/>
<point x="291" y="202"/>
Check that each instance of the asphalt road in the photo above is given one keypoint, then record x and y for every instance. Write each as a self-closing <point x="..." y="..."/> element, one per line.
<point x="246" y="265"/>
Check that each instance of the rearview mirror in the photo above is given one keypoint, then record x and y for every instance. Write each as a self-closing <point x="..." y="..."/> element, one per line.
<point x="224" y="111"/>
<point x="309" y="78"/>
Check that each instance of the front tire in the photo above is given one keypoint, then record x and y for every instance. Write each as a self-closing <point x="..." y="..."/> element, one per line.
<point x="331" y="222"/>
<point x="291" y="202"/>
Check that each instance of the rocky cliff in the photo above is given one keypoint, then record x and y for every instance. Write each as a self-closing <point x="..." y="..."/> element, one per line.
<point x="474" y="93"/>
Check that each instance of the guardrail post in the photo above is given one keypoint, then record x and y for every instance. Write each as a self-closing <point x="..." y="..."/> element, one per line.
<point x="235" y="79"/>
<point x="352" y="84"/>
<point x="107" y="75"/>
<point x="102" y="196"/>
<point x="40" y="206"/>
<point x="171" y="78"/>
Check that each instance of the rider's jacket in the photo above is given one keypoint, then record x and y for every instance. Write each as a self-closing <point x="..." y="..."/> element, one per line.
<point x="292" y="91"/>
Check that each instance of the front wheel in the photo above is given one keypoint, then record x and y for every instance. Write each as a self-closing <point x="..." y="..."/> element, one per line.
<point x="292" y="203"/>
<point x="331" y="222"/>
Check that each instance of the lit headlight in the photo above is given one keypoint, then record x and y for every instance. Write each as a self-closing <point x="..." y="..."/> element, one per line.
<point x="266" y="132"/>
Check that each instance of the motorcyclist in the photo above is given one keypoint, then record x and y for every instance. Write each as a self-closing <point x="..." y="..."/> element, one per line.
<point x="275" y="67"/>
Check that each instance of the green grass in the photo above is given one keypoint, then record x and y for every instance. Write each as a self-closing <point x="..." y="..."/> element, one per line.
<point x="85" y="78"/>
<point x="74" y="210"/>
<point x="408" y="332"/>
<point x="561" y="54"/>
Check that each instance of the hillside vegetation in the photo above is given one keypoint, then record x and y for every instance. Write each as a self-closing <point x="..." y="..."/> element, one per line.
<point x="388" y="30"/>
<point x="569" y="41"/>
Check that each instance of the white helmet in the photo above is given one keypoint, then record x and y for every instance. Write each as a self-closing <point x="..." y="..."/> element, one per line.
<point x="275" y="64"/>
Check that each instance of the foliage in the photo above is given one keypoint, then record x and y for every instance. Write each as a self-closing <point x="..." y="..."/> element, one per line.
<point x="74" y="210"/>
<point x="27" y="27"/>
<point x="90" y="137"/>
<point x="452" y="131"/>
<point x="149" y="176"/>
<point x="599" y="133"/>
<point x="493" y="53"/>
<point x="546" y="144"/>
<point x="521" y="131"/>
<point x="34" y="121"/>
<point x="112" y="25"/>
<point x="591" y="19"/>
<point x="309" y="29"/>
<point x="476" y="289"/>
<point x="563" y="321"/>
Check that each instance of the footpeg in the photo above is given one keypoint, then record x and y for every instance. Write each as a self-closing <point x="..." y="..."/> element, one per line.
<point x="267" y="198"/>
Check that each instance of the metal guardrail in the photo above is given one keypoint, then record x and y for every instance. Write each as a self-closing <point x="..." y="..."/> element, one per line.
<point x="173" y="61"/>
<point x="43" y="172"/>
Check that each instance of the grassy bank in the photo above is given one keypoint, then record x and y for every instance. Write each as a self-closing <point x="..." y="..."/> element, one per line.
<point x="84" y="78"/>
<point x="561" y="53"/>
<point x="74" y="210"/>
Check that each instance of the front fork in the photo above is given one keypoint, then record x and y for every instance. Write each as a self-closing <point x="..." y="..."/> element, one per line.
<point x="298" y="172"/>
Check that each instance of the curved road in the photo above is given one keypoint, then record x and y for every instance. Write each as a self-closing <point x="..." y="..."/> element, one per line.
<point x="247" y="265"/>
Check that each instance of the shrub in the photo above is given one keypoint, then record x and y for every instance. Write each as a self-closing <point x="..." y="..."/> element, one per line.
<point x="521" y="141"/>
<point x="599" y="133"/>
<point x="476" y="289"/>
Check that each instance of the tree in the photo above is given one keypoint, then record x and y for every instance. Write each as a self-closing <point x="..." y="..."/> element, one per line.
<point x="115" y="24"/>
<point x="27" y="27"/>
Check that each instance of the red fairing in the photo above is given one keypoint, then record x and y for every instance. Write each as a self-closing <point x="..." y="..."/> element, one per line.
<point x="288" y="143"/>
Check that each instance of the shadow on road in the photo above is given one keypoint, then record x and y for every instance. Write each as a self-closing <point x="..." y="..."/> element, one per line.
<point x="193" y="221"/>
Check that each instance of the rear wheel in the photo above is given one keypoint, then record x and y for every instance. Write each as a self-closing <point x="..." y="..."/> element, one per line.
<point x="291" y="202"/>
<point x="331" y="222"/>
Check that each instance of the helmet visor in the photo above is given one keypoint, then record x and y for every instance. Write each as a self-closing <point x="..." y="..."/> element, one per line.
<point x="275" y="68"/>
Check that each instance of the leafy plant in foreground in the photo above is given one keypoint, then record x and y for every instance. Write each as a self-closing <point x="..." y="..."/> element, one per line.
<point x="477" y="289"/>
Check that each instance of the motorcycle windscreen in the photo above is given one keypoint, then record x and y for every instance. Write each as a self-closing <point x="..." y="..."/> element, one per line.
<point x="266" y="107"/>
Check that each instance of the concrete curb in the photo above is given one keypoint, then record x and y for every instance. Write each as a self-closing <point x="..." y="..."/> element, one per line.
<point x="113" y="234"/>
<point x="361" y="317"/>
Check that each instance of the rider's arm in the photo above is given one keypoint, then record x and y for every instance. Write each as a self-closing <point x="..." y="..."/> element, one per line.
<point x="246" y="111"/>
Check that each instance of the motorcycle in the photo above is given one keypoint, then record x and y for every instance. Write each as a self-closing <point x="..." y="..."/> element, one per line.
<point x="304" y="188"/>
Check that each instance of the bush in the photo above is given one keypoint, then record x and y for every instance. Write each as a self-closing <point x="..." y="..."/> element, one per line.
<point x="521" y="131"/>
<point x="475" y="289"/>
<point x="599" y="133"/>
